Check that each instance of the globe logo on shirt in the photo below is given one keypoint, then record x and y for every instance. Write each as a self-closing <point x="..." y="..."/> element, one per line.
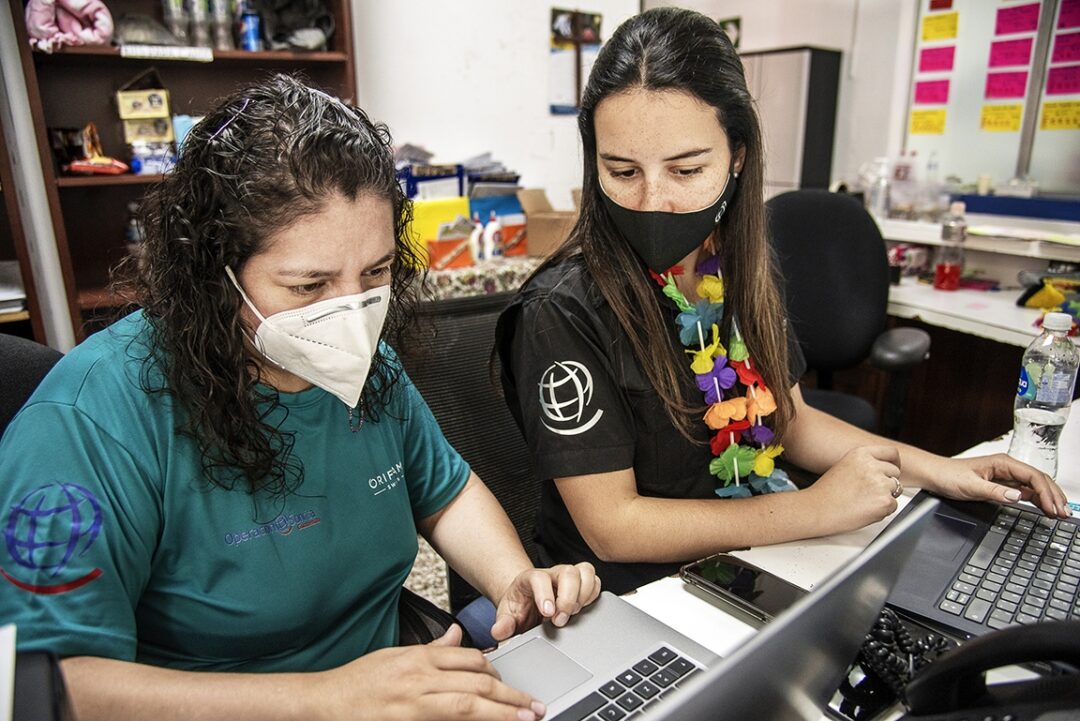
<point x="566" y="390"/>
<point x="50" y="526"/>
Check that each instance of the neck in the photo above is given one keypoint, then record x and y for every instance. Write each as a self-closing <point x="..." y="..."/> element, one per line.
<point x="281" y="379"/>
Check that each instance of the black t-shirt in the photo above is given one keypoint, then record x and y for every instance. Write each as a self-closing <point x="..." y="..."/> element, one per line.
<point x="586" y="406"/>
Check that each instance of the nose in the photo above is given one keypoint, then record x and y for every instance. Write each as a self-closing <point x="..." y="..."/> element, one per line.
<point x="655" y="197"/>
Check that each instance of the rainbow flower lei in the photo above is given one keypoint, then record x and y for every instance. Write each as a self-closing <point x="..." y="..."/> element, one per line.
<point x="742" y="446"/>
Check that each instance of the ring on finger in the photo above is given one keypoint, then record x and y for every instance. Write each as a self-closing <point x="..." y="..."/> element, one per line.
<point x="897" y="489"/>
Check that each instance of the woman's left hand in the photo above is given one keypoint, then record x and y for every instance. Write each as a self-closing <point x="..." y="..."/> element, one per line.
<point x="556" y="593"/>
<point x="999" y="478"/>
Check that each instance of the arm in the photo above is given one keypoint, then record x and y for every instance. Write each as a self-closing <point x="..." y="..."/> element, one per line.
<point x="816" y="441"/>
<point x="855" y="490"/>
<point x="476" y="538"/>
<point x="435" y="681"/>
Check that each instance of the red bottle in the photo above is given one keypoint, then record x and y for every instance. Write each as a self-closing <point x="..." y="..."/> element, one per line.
<point x="949" y="260"/>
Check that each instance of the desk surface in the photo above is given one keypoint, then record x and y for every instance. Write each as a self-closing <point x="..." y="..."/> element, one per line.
<point x="988" y="314"/>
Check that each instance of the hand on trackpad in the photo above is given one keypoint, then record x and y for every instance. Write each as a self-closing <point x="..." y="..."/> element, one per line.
<point x="540" y="669"/>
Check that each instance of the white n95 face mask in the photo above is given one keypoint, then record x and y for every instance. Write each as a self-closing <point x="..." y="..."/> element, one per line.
<point x="329" y="344"/>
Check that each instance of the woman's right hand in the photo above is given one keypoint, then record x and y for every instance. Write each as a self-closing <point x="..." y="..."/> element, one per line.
<point x="439" y="681"/>
<point x="858" y="489"/>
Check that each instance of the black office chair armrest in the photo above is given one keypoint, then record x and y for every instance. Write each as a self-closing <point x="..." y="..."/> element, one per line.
<point x="39" y="688"/>
<point x="899" y="349"/>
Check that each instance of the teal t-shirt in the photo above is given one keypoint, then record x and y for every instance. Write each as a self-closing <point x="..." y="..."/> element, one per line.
<point x="116" y="546"/>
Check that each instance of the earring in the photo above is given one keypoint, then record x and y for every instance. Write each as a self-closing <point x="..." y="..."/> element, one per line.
<point x="736" y="174"/>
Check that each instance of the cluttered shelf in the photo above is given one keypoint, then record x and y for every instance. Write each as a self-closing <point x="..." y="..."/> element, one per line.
<point x="83" y="181"/>
<point x="188" y="54"/>
<point x="1052" y="243"/>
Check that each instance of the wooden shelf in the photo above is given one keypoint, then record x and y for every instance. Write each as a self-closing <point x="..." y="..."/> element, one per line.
<point x="89" y="181"/>
<point x="71" y="52"/>
<point x="98" y="299"/>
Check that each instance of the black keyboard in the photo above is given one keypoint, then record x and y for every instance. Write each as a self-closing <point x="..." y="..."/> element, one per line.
<point x="634" y="690"/>
<point x="1026" y="569"/>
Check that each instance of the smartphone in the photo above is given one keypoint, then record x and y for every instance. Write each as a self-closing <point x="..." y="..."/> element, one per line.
<point x="743" y="585"/>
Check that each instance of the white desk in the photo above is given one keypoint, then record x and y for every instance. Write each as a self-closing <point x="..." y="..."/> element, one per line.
<point x="808" y="563"/>
<point x="987" y="314"/>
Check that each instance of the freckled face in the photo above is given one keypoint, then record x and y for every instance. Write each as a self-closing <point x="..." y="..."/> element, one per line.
<point x="661" y="151"/>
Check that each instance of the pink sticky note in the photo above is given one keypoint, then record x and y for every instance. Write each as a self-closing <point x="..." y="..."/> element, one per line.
<point x="1018" y="19"/>
<point x="932" y="92"/>
<point x="933" y="60"/>
<point x="1063" y="80"/>
<point x="1010" y="52"/>
<point x="1006" y="85"/>
<point x="1069" y="14"/>
<point x="1066" y="48"/>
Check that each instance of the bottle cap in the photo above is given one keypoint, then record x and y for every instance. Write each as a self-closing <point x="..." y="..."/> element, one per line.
<point x="1057" y="321"/>
<point x="957" y="207"/>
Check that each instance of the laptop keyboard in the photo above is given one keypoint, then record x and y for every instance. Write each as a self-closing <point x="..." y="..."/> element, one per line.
<point x="635" y="690"/>
<point x="1026" y="569"/>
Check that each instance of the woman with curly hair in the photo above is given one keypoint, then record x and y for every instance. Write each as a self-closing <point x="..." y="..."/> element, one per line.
<point x="230" y="480"/>
<point x="648" y="361"/>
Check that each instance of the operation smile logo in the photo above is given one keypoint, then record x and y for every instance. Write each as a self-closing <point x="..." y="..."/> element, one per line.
<point x="47" y="529"/>
<point x="566" y="389"/>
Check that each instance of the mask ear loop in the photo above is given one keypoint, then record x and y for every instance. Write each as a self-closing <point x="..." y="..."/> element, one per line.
<point x="254" y="341"/>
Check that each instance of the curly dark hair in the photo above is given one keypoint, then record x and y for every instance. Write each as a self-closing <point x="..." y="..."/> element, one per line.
<point x="267" y="156"/>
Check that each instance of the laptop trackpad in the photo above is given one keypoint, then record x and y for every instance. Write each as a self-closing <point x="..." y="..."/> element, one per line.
<point x="945" y="537"/>
<point x="540" y="669"/>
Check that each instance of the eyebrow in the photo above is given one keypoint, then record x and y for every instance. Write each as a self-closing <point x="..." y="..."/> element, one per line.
<point x="681" y="156"/>
<point x="316" y="274"/>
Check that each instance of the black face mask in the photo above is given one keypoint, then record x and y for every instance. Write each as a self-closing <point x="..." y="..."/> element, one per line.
<point x="661" y="238"/>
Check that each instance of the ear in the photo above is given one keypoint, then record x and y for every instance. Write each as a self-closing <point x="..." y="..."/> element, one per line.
<point x="740" y="158"/>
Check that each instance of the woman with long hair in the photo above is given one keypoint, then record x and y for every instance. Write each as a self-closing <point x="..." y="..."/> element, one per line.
<point x="213" y="503"/>
<point x="648" y="361"/>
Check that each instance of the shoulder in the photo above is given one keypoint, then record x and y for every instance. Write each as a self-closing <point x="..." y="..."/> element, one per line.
<point x="558" y="290"/>
<point x="107" y="370"/>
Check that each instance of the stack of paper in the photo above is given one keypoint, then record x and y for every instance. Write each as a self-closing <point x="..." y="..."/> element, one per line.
<point x="12" y="293"/>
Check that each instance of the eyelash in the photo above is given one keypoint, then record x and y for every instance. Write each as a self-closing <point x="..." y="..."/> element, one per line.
<point x="305" y="289"/>
<point x="680" y="172"/>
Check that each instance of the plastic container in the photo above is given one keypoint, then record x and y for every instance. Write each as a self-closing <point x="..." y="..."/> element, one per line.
<point x="493" y="246"/>
<point x="949" y="259"/>
<point x="1044" y="394"/>
<point x="476" y="239"/>
<point x="877" y="194"/>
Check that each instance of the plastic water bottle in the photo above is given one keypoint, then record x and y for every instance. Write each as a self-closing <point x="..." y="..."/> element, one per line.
<point x="1044" y="393"/>
<point x="949" y="261"/>
<point x="877" y="195"/>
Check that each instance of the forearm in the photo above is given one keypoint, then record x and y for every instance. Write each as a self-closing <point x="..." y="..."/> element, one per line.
<point x="477" y="539"/>
<point x="108" y="689"/>
<point x="660" y="530"/>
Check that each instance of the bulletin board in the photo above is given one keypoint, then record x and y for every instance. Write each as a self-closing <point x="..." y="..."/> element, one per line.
<point x="971" y="80"/>
<point x="1055" y="155"/>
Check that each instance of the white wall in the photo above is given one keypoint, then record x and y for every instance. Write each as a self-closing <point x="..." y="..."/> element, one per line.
<point x="469" y="76"/>
<point x="877" y="39"/>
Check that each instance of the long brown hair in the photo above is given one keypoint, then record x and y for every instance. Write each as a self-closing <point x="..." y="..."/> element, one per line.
<point x="675" y="49"/>
<point x="267" y="156"/>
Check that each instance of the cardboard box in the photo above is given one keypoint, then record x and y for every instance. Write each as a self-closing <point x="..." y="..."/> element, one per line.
<point x="428" y="215"/>
<point x="148" y="130"/>
<point x="138" y="104"/>
<point x="546" y="227"/>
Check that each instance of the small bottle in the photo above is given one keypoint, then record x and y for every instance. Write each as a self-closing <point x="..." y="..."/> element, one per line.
<point x="1044" y="394"/>
<point x="492" y="237"/>
<point x="877" y="196"/>
<point x="199" y="12"/>
<point x="476" y="239"/>
<point x="949" y="260"/>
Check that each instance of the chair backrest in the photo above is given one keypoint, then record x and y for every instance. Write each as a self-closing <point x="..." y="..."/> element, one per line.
<point x="23" y="363"/>
<point x="836" y="274"/>
<point x="456" y="377"/>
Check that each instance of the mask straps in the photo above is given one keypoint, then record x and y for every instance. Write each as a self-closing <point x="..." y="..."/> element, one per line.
<point x="236" y="283"/>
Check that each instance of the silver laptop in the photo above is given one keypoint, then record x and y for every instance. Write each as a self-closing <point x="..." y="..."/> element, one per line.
<point x="614" y="661"/>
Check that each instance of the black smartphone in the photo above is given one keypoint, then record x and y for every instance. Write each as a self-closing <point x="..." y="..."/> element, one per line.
<point x="743" y="585"/>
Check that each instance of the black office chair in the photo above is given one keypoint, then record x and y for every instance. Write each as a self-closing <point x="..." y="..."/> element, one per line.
<point x="455" y="376"/>
<point x="836" y="275"/>
<point x="23" y="363"/>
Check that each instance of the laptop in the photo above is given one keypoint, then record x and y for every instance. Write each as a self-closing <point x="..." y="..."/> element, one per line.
<point x="614" y="661"/>
<point x="982" y="566"/>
